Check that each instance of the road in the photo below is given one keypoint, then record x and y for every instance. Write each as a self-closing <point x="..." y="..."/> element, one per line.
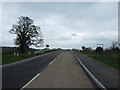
<point x="64" y="72"/>
<point x="18" y="74"/>
<point x="106" y="75"/>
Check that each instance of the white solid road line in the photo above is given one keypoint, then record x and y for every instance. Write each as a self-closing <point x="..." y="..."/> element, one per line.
<point x="30" y="81"/>
<point x="100" y="85"/>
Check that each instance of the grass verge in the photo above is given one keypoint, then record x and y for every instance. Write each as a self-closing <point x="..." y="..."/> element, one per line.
<point x="110" y="63"/>
<point x="7" y="59"/>
<point x="110" y="58"/>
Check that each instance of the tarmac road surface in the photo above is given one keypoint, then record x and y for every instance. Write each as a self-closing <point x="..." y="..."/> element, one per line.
<point x="58" y="70"/>
<point x="109" y="77"/>
<point x="18" y="74"/>
<point x="64" y="72"/>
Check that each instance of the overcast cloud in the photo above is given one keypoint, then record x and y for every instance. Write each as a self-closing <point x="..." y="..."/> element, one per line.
<point x="65" y="25"/>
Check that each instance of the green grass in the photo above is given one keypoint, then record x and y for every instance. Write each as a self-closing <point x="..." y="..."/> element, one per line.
<point x="6" y="59"/>
<point x="109" y="58"/>
<point x="104" y="60"/>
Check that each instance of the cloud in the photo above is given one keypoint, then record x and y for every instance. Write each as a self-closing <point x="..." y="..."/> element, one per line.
<point x="74" y="34"/>
<point x="66" y="25"/>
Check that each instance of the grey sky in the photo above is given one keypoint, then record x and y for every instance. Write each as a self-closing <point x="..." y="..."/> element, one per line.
<point x="66" y="25"/>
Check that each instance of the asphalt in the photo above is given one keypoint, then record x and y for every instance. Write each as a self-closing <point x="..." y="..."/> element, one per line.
<point x="18" y="74"/>
<point x="64" y="72"/>
<point x="108" y="76"/>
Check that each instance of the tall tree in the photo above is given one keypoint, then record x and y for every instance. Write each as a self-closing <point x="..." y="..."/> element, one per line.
<point x="27" y="34"/>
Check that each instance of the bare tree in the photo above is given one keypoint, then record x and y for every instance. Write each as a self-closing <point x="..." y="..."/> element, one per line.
<point x="113" y="45"/>
<point x="27" y="34"/>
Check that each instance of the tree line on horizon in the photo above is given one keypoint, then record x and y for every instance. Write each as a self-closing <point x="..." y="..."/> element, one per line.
<point x="115" y="46"/>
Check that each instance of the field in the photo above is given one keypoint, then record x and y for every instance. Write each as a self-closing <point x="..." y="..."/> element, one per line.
<point x="110" y="58"/>
<point x="6" y="59"/>
<point x="9" y="57"/>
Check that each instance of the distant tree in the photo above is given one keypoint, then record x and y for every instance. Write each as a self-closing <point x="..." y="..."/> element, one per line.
<point x="27" y="34"/>
<point x="116" y="48"/>
<point x="99" y="49"/>
<point x="88" y="49"/>
<point x="83" y="48"/>
<point x="47" y="46"/>
<point x="107" y="49"/>
<point x="113" y="45"/>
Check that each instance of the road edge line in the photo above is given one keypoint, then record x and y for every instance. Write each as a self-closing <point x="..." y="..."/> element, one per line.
<point x="100" y="85"/>
<point x="30" y="81"/>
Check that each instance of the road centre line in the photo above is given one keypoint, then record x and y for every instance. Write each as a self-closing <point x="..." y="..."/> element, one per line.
<point x="37" y="74"/>
<point x="52" y="62"/>
<point x="30" y="81"/>
<point x="58" y="56"/>
<point x="54" y="59"/>
<point x="100" y="85"/>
